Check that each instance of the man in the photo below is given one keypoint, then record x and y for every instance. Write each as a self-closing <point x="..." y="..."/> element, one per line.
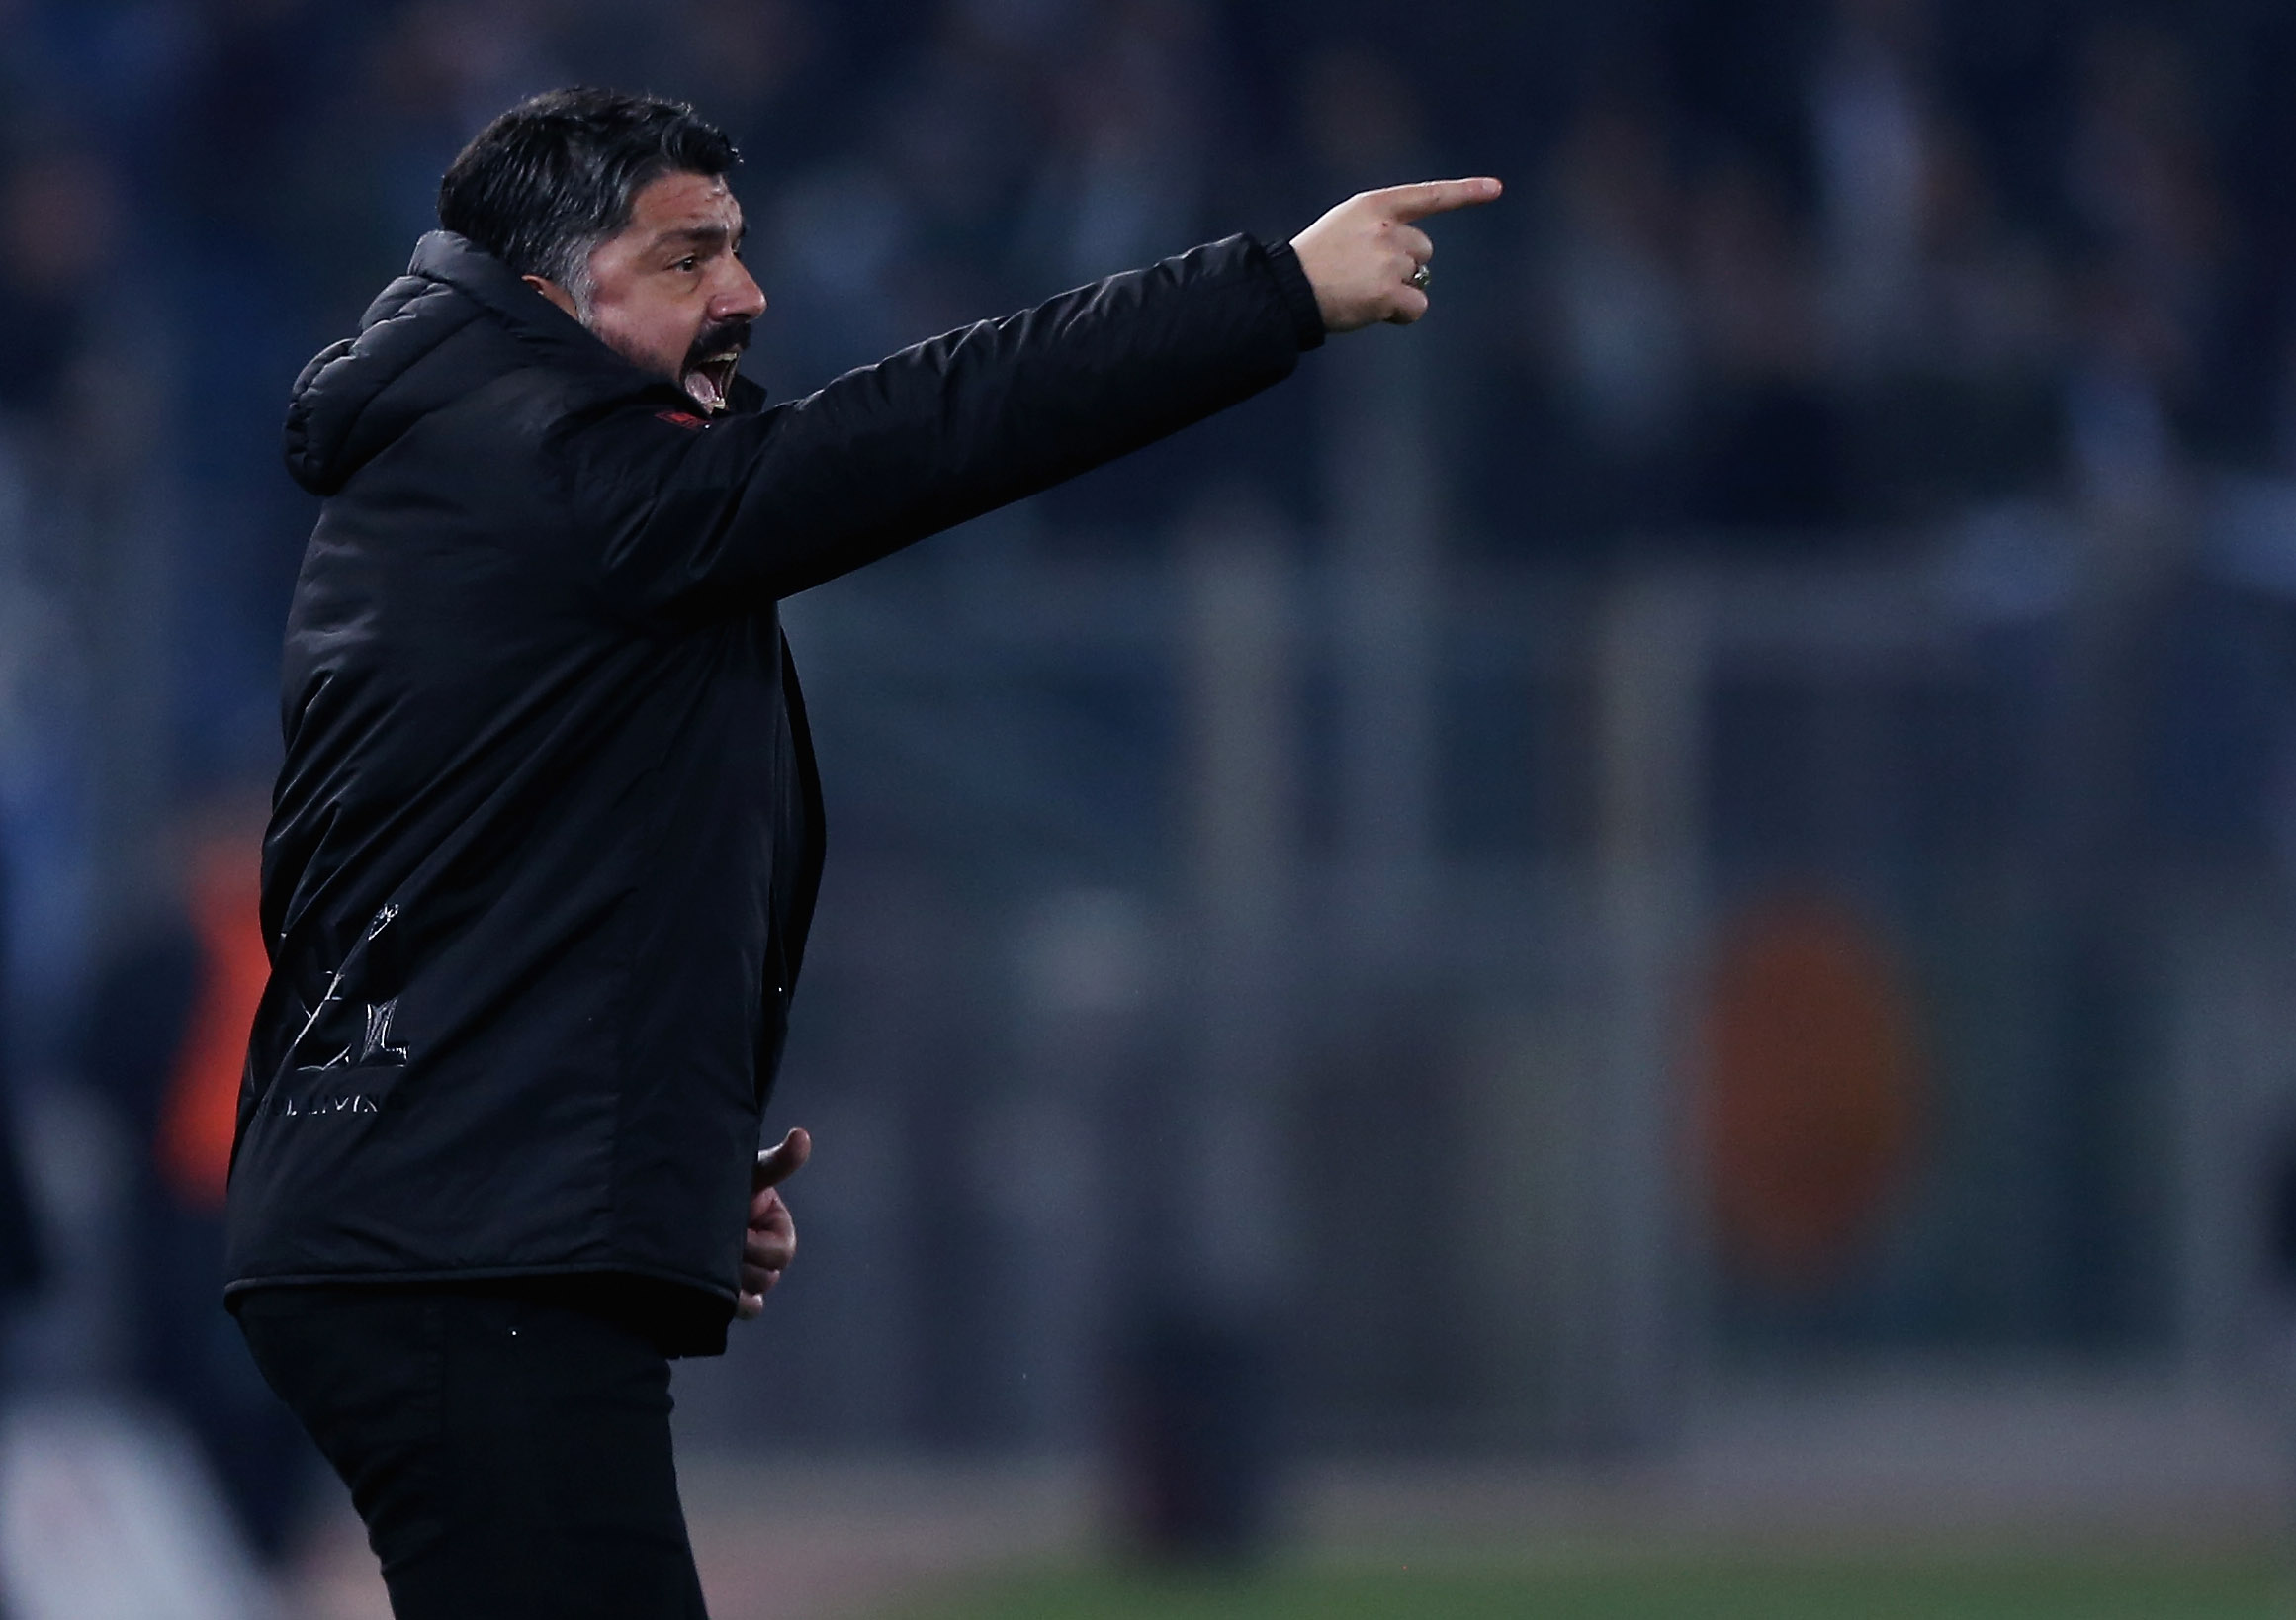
<point x="546" y="841"/>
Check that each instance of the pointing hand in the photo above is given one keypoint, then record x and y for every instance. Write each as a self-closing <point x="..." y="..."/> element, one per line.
<point x="1361" y="257"/>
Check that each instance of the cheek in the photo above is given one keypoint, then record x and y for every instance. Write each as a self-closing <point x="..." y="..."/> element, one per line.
<point x="654" y="333"/>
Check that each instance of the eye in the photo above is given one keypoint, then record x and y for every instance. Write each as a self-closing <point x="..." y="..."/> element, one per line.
<point x="689" y="262"/>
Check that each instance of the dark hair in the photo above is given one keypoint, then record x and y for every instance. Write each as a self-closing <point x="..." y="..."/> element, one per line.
<point x="548" y="181"/>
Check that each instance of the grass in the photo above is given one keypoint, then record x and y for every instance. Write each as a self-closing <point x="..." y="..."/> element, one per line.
<point x="1655" y="1590"/>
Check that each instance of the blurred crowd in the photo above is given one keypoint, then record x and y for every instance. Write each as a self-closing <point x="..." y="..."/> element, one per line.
<point x="1889" y="258"/>
<point x="1801" y="267"/>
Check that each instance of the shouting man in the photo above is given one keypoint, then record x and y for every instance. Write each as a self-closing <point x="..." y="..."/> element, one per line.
<point x="546" y="843"/>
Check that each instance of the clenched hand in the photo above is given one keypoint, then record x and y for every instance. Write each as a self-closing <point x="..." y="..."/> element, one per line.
<point x="1362" y="255"/>
<point x="770" y="1243"/>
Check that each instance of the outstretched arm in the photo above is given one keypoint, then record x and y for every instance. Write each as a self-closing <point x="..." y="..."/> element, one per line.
<point x="714" y="519"/>
<point x="720" y="519"/>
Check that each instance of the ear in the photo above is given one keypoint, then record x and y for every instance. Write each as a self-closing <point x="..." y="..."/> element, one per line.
<point x="552" y="291"/>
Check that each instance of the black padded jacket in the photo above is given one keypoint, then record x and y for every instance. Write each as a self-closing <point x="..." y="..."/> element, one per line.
<point x="546" y="841"/>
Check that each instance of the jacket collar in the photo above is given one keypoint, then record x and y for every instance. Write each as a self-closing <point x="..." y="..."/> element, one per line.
<point x="485" y="280"/>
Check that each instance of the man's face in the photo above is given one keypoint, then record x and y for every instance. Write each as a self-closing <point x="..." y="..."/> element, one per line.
<point x="669" y="293"/>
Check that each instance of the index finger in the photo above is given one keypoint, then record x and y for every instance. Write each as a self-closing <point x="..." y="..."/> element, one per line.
<point x="1416" y="202"/>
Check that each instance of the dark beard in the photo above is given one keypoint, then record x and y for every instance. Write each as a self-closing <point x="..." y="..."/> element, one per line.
<point x="718" y="337"/>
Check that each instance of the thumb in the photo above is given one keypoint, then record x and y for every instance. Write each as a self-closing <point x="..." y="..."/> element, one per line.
<point x="778" y="1164"/>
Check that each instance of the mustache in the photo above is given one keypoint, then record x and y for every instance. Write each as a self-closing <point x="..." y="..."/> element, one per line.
<point x="719" y="338"/>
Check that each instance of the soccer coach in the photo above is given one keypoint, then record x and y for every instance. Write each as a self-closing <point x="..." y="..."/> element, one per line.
<point x="546" y="841"/>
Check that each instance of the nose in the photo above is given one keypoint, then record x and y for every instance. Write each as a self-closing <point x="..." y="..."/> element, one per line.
<point x="739" y="297"/>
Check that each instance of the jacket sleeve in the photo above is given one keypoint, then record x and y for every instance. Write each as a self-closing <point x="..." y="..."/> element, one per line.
<point x="716" y="519"/>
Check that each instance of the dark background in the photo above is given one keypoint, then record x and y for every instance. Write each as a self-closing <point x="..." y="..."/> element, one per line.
<point x="1721" y="808"/>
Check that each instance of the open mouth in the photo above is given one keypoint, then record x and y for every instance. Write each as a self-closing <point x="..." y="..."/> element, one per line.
<point x="709" y="378"/>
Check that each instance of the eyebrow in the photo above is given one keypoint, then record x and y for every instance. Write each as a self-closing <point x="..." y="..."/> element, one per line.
<point x="699" y="235"/>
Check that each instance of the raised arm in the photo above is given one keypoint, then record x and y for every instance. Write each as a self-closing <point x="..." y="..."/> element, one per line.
<point x="766" y="505"/>
<point x="718" y="518"/>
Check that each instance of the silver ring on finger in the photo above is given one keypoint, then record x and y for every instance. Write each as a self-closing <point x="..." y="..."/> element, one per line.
<point x="1419" y="278"/>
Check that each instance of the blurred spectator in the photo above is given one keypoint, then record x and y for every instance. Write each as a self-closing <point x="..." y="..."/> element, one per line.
<point x="957" y="128"/>
<point x="2139" y="176"/>
<point x="1872" y="121"/>
<point x="1613" y="320"/>
<point x="58" y="227"/>
<point x="1769" y="455"/>
<point x="1122" y="181"/>
<point x="1621" y="305"/>
<point x="1968" y="408"/>
<point x="2150" y="286"/>
<point x="1988" y="306"/>
<point x="166" y="1039"/>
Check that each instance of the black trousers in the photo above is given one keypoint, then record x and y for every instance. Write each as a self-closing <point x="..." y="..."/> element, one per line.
<point x="509" y="1452"/>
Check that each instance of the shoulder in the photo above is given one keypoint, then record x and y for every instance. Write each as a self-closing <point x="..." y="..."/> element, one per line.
<point x="645" y="440"/>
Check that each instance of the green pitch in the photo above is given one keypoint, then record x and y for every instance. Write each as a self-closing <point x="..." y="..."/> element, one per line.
<point x="1716" y="1590"/>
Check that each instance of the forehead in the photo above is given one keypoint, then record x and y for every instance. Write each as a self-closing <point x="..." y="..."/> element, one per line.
<point x="683" y="203"/>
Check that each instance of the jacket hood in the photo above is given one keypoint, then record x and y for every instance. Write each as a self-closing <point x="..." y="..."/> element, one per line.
<point x="454" y="323"/>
